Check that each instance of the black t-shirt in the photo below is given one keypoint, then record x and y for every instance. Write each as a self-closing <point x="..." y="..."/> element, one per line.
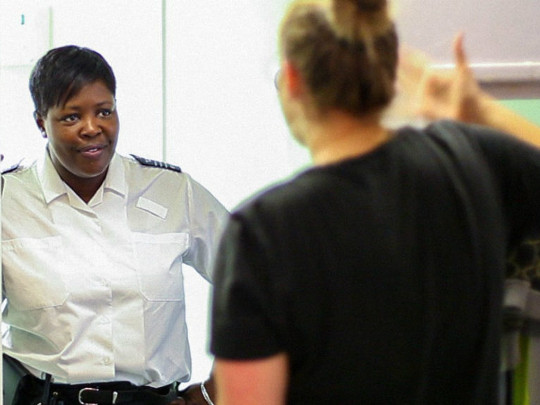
<point x="381" y="276"/>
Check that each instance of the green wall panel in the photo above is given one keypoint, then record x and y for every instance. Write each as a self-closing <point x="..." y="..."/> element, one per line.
<point x="528" y="108"/>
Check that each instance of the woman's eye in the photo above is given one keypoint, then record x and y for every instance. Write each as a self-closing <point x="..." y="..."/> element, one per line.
<point x="70" y="118"/>
<point x="105" y="112"/>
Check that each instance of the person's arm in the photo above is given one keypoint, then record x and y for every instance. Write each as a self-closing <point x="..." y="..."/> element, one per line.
<point x="203" y="393"/>
<point x="252" y="382"/>
<point x="457" y="95"/>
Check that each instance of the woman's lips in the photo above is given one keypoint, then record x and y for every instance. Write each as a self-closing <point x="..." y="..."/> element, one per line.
<point x="92" y="151"/>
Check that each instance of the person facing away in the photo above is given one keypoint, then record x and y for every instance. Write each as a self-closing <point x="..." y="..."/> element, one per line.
<point x="93" y="245"/>
<point x="457" y="94"/>
<point x="376" y="276"/>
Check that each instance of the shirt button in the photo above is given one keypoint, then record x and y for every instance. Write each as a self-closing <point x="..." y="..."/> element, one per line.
<point x="107" y="361"/>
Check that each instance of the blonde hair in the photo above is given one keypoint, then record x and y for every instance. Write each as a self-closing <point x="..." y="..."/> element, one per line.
<point x="345" y="50"/>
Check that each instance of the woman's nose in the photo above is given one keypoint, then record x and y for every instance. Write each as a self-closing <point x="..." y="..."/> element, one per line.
<point x="90" y="127"/>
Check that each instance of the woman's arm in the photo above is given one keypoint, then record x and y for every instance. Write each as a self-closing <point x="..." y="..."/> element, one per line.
<point x="202" y="393"/>
<point x="457" y="95"/>
<point x="252" y="382"/>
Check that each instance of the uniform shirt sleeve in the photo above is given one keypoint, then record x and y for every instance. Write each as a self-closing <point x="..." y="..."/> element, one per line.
<point x="207" y="217"/>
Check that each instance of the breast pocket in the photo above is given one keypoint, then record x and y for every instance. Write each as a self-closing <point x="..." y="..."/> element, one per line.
<point x="159" y="265"/>
<point x="32" y="273"/>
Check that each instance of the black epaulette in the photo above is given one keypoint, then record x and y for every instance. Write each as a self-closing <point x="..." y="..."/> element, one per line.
<point x="155" y="163"/>
<point x="11" y="168"/>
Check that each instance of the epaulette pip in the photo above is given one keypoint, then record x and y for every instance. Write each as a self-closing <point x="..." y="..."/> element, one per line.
<point x="155" y="163"/>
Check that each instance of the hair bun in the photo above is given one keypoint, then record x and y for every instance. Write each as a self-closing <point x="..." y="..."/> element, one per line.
<point x="359" y="20"/>
<point x="370" y="5"/>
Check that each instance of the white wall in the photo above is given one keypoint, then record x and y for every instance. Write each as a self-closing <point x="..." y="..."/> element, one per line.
<point x="21" y="40"/>
<point x="224" y="121"/>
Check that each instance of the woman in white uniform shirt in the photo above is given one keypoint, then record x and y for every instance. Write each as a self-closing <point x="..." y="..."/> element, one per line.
<point x="93" y="245"/>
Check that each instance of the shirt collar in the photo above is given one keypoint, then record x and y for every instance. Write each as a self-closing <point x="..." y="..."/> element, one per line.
<point x="116" y="178"/>
<point x="54" y="187"/>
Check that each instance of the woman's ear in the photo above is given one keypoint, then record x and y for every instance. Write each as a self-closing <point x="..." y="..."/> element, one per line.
<point x="40" y="124"/>
<point x="292" y="79"/>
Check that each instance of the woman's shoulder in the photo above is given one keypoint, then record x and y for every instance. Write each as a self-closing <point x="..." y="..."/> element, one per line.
<point x="138" y="168"/>
<point x="292" y="194"/>
<point x="19" y="166"/>
<point x="150" y="163"/>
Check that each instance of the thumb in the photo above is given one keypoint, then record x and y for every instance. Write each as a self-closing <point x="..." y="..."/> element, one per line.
<point x="459" y="51"/>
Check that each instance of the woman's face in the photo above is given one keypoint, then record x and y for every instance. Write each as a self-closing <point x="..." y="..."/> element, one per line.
<point x="82" y="135"/>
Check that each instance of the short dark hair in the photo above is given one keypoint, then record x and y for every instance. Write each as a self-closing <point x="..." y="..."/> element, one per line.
<point x="62" y="72"/>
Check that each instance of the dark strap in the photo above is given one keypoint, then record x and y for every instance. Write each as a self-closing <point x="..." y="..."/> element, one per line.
<point x="97" y="396"/>
<point x="46" y="389"/>
<point x="112" y="395"/>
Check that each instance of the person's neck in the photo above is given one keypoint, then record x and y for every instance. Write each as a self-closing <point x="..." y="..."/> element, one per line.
<point x="339" y="136"/>
<point x="85" y="188"/>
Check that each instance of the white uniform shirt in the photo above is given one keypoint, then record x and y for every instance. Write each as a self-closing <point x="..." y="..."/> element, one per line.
<point x="95" y="291"/>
